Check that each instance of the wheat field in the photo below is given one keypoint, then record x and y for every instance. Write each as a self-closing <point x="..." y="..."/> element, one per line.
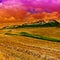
<point x="14" y="47"/>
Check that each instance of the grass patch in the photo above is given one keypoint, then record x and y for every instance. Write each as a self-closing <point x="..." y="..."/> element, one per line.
<point x="39" y="37"/>
<point x="35" y="36"/>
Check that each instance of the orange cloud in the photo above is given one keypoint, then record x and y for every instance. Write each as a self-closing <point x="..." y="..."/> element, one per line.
<point x="17" y="15"/>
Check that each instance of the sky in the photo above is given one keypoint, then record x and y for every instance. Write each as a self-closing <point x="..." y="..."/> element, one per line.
<point x="31" y="5"/>
<point x="21" y="10"/>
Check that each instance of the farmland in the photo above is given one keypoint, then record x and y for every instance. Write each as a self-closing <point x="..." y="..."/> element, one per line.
<point x="18" y="47"/>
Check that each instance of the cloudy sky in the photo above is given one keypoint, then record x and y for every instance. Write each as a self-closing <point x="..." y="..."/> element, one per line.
<point x="15" y="9"/>
<point x="38" y="5"/>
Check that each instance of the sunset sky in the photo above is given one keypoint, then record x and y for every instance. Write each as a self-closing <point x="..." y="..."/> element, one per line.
<point x="18" y="10"/>
<point x="45" y="5"/>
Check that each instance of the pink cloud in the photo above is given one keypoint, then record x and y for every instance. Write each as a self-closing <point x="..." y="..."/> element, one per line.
<point x="43" y="5"/>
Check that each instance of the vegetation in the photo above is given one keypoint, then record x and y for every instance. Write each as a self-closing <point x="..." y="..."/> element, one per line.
<point x="50" y="23"/>
<point x="39" y="37"/>
<point x="35" y="36"/>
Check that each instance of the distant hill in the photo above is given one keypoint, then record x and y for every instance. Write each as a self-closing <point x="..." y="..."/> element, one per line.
<point x="41" y="23"/>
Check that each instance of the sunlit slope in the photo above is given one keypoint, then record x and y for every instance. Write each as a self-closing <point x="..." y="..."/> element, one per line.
<point x="15" y="47"/>
<point x="53" y="32"/>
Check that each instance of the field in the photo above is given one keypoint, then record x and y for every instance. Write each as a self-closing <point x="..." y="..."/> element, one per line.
<point x="14" y="46"/>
